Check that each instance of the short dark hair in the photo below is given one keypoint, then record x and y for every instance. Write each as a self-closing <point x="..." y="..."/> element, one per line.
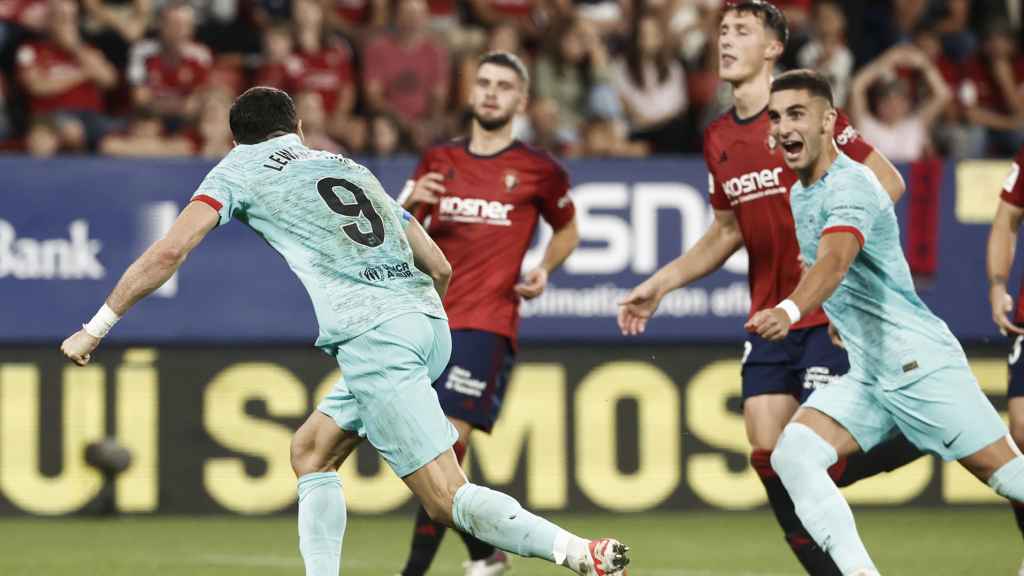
<point x="261" y="111"/>
<point x="770" y="15"/>
<point x="507" y="60"/>
<point x="804" y="79"/>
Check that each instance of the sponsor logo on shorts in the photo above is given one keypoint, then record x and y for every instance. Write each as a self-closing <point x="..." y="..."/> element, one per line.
<point x="462" y="381"/>
<point x="818" y="377"/>
<point x="384" y="272"/>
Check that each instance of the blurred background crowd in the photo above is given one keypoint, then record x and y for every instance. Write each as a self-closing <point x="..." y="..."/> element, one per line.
<point x="379" y="77"/>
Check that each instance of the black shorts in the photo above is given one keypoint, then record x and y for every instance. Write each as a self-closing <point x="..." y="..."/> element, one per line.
<point x="796" y="365"/>
<point x="1015" y="386"/>
<point x="472" y="387"/>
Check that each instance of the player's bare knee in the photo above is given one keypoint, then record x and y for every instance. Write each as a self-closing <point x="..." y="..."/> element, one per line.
<point x="439" y="508"/>
<point x="303" y="454"/>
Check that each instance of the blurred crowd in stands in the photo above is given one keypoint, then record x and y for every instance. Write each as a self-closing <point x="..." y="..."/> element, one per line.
<point x="381" y="77"/>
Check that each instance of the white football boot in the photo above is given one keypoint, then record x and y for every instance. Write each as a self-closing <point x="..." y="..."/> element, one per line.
<point x="494" y="565"/>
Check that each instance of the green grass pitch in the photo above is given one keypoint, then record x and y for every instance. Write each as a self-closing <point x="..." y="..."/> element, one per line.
<point x="981" y="541"/>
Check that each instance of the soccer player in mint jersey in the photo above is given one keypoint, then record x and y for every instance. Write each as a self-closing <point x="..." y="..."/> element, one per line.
<point x="749" y="194"/>
<point x="908" y="373"/>
<point x="1002" y="243"/>
<point x="376" y="281"/>
<point x="482" y="198"/>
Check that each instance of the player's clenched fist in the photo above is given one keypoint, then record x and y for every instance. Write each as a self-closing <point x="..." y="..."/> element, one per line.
<point x="533" y="284"/>
<point x="637" y="308"/>
<point x="79" y="346"/>
<point x="426" y="190"/>
<point x="771" y="324"/>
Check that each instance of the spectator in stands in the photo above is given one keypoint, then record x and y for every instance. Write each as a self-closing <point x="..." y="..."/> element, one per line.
<point x="609" y="17"/>
<point x="325" y="65"/>
<point x="19" y="18"/>
<point x="544" y="131"/>
<point x="212" y="137"/>
<point x="523" y="14"/>
<point x="309" y="107"/>
<point x="278" y="63"/>
<point x="826" y="51"/>
<point x="43" y="138"/>
<point x="145" y="137"/>
<point x="168" y="74"/>
<point x="114" y="26"/>
<point x="353" y="18"/>
<point x="954" y="26"/>
<point x="385" y="138"/>
<point x="407" y="74"/>
<point x="899" y="130"/>
<point x="952" y="136"/>
<point x="65" y="78"/>
<point x="990" y="94"/>
<point x="603" y="138"/>
<point x="5" y="122"/>
<point x="652" y="86"/>
<point x="574" y="72"/>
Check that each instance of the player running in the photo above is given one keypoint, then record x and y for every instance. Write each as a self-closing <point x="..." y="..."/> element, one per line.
<point x="749" y="184"/>
<point x="487" y="191"/>
<point x="1002" y="243"/>
<point x="908" y="372"/>
<point x="376" y="281"/>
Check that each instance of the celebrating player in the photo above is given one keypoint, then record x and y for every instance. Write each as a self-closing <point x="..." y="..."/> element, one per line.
<point x="376" y="281"/>
<point x="1002" y="243"/>
<point x="487" y="191"/>
<point x="749" y="194"/>
<point x="907" y="370"/>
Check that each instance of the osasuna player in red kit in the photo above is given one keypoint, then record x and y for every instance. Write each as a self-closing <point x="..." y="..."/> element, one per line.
<point x="482" y="199"/>
<point x="1002" y="243"/>
<point x="749" y="192"/>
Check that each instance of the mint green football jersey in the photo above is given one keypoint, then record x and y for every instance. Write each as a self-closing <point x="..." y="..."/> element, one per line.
<point x="890" y="334"/>
<point x="335" y="226"/>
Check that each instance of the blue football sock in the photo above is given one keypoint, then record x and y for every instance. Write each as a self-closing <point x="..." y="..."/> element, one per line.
<point x="321" y="522"/>
<point x="498" y="519"/>
<point x="801" y="458"/>
<point x="1008" y="481"/>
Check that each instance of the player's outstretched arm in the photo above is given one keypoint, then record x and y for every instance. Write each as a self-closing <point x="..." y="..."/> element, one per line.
<point x="1002" y="244"/>
<point x="721" y="240"/>
<point x="156" y="265"/>
<point x="428" y="257"/>
<point x="836" y="253"/>
<point x="561" y="245"/>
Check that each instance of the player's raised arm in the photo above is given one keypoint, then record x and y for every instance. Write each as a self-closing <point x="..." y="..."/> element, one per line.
<point x="427" y="256"/>
<point x="1002" y="244"/>
<point x="721" y="240"/>
<point x="156" y="265"/>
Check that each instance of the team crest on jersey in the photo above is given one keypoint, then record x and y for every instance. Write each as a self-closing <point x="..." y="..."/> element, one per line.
<point x="511" y="180"/>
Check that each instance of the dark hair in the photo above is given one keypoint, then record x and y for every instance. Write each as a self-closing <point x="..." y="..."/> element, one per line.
<point x="804" y="79"/>
<point x="769" y="14"/>
<point x="507" y="60"/>
<point x="634" y="60"/>
<point x="260" y="112"/>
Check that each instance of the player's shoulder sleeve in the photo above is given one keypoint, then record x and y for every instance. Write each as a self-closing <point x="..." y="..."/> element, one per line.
<point x="716" y="193"/>
<point x="556" y="204"/>
<point x="850" y="141"/>
<point x="424" y="164"/>
<point x="1013" y="187"/>
<point x="853" y="202"/>
<point x="223" y="188"/>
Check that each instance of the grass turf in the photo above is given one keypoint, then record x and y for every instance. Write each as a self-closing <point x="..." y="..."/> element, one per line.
<point x="903" y="542"/>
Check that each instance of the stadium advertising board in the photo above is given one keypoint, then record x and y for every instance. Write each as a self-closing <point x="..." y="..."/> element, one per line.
<point x="71" y="226"/>
<point x="584" y="428"/>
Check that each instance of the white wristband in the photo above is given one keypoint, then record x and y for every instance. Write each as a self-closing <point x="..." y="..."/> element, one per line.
<point x="102" y="322"/>
<point x="791" y="310"/>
